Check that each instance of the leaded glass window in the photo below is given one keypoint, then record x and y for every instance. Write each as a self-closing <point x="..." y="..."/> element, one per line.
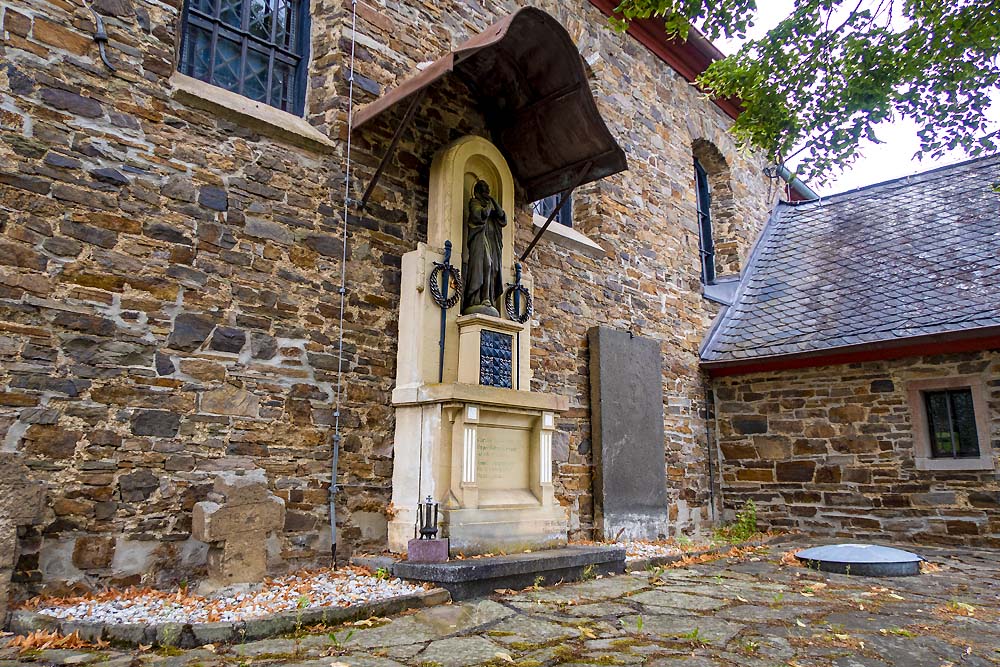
<point x="257" y="48"/>
<point x="544" y="207"/>
<point x="952" y="422"/>
<point x="705" y="239"/>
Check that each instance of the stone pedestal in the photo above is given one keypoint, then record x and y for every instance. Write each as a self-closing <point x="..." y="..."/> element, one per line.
<point x="21" y="504"/>
<point x="471" y="433"/>
<point x="427" y="551"/>
<point x="235" y="521"/>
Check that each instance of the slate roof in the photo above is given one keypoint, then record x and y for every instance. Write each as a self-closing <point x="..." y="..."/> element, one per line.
<point x="915" y="256"/>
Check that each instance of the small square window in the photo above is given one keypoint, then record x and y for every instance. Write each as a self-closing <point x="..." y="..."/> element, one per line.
<point x="951" y="419"/>
<point x="544" y="208"/>
<point x="256" y="48"/>
<point x="950" y="422"/>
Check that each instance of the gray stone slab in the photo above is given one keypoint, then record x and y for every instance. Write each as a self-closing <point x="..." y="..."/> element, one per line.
<point x="660" y="598"/>
<point x="700" y="629"/>
<point x="477" y="577"/>
<point x="626" y="394"/>
<point x="460" y="651"/>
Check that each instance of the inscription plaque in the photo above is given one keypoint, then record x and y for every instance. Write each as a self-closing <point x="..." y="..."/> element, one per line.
<point x="502" y="458"/>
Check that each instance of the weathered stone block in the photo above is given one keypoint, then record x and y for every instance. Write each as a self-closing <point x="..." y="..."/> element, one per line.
<point x="227" y="339"/>
<point x="882" y="386"/>
<point x="71" y="102"/>
<point x="627" y="416"/>
<point x="138" y="486"/>
<point x="50" y="441"/>
<point x="795" y="471"/>
<point x="190" y="331"/>
<point x="848" y="414"/>
<point x="213" y="522"/>
<point x="749" y="424"/>
<point x="236" y="523"/>
<point x="230" y="400"/>
<point x="164" y="364"/>
<point x="263" y="346"/>
<point x="159" y="423"/>
<point x="92" y="552"/>
<point x="213" y="198"/>
<point x="21" y="503"/>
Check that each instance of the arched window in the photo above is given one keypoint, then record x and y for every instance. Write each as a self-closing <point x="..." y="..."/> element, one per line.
<point x="257" y="48"/>
<point x="714" y="202"/>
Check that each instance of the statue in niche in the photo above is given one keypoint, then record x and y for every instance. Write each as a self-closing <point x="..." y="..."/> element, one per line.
<point x="484" y="225"/>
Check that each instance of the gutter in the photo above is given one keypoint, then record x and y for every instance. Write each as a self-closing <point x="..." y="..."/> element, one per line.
<point x="801" y="191"/>
<point x="968" y="340"/>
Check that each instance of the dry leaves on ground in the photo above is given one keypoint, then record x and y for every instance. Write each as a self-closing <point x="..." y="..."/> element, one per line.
<point x="735" y="552"/>
<point x="788" y="558"/>
<point x="40" y="640"/>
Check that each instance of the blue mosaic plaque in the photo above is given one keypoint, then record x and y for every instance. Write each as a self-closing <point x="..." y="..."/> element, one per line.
<point x="495" y="355"/>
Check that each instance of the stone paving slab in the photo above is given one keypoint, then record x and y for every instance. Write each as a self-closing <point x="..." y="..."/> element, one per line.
<point x="746" y="612"/>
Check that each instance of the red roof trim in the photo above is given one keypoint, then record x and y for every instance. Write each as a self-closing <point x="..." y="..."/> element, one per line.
<point x="970" y="341"/>
<point x="689" y="58"/>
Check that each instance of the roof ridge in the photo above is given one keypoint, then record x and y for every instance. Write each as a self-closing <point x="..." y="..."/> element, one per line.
<point x="907" y="180"/>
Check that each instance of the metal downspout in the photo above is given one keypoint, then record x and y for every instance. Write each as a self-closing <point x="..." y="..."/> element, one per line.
<point x="335" y="457"/>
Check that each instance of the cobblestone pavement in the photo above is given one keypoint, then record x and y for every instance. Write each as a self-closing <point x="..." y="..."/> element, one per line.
<point x="750" y="611"/>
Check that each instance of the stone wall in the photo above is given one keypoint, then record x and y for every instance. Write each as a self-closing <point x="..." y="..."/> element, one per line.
<point x="169" y="278"/>
<point x="830" y="451"/>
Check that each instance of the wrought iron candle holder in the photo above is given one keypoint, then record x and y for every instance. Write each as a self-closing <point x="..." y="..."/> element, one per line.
<point x="427" y="513"/>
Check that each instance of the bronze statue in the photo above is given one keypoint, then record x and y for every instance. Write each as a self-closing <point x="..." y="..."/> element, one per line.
<point x="484" y="225"/>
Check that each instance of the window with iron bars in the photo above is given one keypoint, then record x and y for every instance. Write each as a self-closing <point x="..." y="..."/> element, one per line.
<point x="544" y="207"/>
<point x="706" y="244"/>
<point x="257" y="48"/>
<point x="951" y="419"/>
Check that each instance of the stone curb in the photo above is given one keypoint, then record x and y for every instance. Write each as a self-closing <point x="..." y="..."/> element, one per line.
<point x="642" y="564"/>
<point x="192" y="635"/>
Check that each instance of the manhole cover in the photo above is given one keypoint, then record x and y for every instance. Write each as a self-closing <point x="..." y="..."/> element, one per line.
<point x="866" y="560"/>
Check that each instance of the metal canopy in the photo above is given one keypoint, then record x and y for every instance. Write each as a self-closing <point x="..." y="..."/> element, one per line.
<point x="534" y="94"/>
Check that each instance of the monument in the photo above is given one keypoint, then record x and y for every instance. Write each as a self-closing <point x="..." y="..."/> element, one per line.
<point x="626" y="398"/>
<point x="235" y="522"/>
<point x="22" y="502"/>
<point x="470" y="433"/>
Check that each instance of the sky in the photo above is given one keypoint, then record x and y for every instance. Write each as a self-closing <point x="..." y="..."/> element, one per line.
<point x="879" y="162"/>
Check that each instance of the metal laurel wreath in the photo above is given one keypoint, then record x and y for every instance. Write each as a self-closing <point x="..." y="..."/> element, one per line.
<point x="508" y="303"/>
<point x="453" y="277"/>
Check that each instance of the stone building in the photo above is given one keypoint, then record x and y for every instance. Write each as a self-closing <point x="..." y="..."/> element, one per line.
<point x="857" y="372"/>
<point x="171" y="257"/>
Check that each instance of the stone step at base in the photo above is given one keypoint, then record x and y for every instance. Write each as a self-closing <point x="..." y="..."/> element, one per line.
<point x="479" y="577"/>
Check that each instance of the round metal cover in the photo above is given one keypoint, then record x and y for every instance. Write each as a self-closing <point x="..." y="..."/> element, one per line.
<point x="866" y="560"/>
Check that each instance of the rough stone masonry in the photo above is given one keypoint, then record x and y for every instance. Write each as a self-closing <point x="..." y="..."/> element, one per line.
<point x="169" y="303"/>
<point x="831" y="451"/>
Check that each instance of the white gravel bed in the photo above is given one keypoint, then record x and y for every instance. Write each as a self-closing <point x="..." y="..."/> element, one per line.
<point x="639" y="550"/>
<point x="325" y="588"/>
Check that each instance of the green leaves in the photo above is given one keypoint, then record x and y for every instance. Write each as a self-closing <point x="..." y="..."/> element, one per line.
<point x="819" y="82"/>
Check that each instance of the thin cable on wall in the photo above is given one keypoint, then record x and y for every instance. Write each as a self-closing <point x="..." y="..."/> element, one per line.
<point x="343" y="294"/>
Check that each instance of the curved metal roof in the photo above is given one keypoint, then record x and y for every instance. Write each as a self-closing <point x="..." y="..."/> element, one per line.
<point x="540" y="109"/>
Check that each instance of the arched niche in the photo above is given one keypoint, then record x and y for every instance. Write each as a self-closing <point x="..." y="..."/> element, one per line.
<point x="454" y="172"/>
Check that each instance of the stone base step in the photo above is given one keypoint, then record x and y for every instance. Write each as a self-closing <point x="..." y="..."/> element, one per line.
<point x="478" y="577"/>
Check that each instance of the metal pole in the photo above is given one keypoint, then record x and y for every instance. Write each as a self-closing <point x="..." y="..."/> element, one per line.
<point x="446" y="276"/>
<point x="335" y="458"/>
<point x="407" y="117"/>
<point x="517" y="309"/>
